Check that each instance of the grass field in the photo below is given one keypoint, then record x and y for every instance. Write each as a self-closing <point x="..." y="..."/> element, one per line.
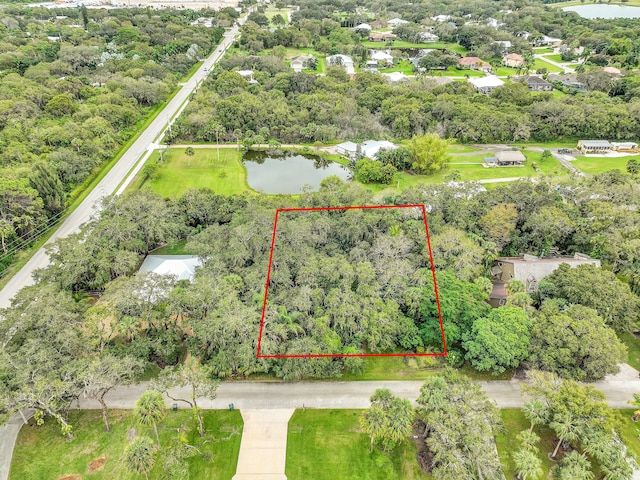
<point x="555" y="58"/>
<point x="514" y="422"/>
<point x="595" y="165"/>
<point x="296" y="52"/>
<point x="454" y="72"/>
<point x="541" y="50"/>
<point x="633" y="346"/>
<point x="629" y="430"/>
<point x="272" y="11"/>
<point x="226" y="176"/>
<point x="404" y="66"/>
<point x="539" y="63"/>
<point x="43" y="453"/>
<point x="506" y="72"/>
<point x="328" y="445"/>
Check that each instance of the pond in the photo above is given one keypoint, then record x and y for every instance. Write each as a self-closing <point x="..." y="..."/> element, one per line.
<point x="288" y="173"/>
<point x="605" y="11"/>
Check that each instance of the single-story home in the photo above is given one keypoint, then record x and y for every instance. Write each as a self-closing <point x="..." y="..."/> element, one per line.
<point x="504" y="44"/>
<point x="371" y="66"/>
<point x="348" y="149"/>
<point x="363" y="26"/>
<point x="567" y="81"/>
<point x="396" y="22"/>
<point x="486" y="85"/>
<point x="180" y="267"/>
<point x="474" y="63"/>
<point x="630" y="147"/>
<point x="536" y="84"/>
<point x="247" y="75"/>
<point x="370" y="148"/>
<point x="514" y="60"/>
<point x="343" y="61"/>
<point x="546" y="41"/>
<point x="594" y="146"/>
<point x="381" y="57"/>
<point x="299" y="63"/>
<point x="428" y="37"/>
<point x="396" y="76"/>
<point x="381" y="37"/>
<point x="441" y="18"/>
<point x="529" y="269"/>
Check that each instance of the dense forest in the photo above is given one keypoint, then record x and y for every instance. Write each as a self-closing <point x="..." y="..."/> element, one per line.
<point x="73" y="85"/>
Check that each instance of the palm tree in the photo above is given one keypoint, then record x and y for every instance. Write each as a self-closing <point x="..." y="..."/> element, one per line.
<point x="289" y="320"/>
<point x="150" y="409"/>
<point x="375" y="423"/>
<point x="528" y="440"/>
<point x="567" y="429"/>
<point x="189" y="152"/>
<point x="528" y="465"/>
<point x="140" y="455"/>
<point x="536" y="412"/>
<point x="575" y="467"/>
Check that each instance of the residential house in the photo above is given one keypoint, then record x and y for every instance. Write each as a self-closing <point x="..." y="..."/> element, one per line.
<point x="363" y="26"/>
<point x="594" y="146"/>
<point x="629" y="147"/>
<point x="428" y="37"/>
<point x="612" y="70"/>
<point x="569" y="81"/>
<point x="441" y="18"/>
<point x="474" y="63"/>
<point x="370" y="148"/>
<point x="348" y="149"/>
<point x="546" y="41"/>
<point x="377" y="24"/>
<point x="396" y="22"/>
<point x="513" y="60"/>
<point x="486" y="85"/>
<point x="343" y="61"/>
<point x="381" y="37"/>
<point x="371" y="66"/>
<point x="300" y="63"/>
<point x="247" y="75"/>
<point x="382" y="57"/>
<point x="505" y="45"/>
<point x="530" y="270"/>
<point x="536" y="84"/>
<point x="180" y="267"/>
<point x="493" y="23"/>
<point x="396" y="76"/>
<point x="510" y="158"/>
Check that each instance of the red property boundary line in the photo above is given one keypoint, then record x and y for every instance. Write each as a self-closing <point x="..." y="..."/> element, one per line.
<point x="321" y="355"/>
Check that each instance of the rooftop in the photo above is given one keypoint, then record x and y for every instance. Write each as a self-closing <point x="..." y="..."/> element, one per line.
<point x="181" y="267"/>
<point x="489" y="81"/>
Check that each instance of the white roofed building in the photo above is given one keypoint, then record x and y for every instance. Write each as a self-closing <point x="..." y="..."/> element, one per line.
<point x="370" y="148"/>
<point x="180" y="267"/>
<point x="486" y="85"/>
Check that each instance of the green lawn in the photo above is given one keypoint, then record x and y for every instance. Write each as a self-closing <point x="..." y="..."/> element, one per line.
<point x="42" y="453"/>
<point x="454" y="72"/>
<point x="397" y="368"/>
<point x="272" y="11"/>
<point x="329" y="445"/>
<point x="629" y="430"/>
<point x="539" y="63"/>
<point x="459" y="148"/>
<point x="514" y="422"/>
<point x="595" y="165"/>
<point x="296" y="52"/>
<point x="226" y="176"/>
<point x="178" y="248"/>
<point x="541" y="50"/>
<point x="633" y="346"/>
<point x="555" y="58"/>
<point x="506" y="72"/>
<point x="404" y="66"/>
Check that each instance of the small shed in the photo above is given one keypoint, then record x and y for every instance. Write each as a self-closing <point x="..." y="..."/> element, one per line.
<point x="510" y="158"/>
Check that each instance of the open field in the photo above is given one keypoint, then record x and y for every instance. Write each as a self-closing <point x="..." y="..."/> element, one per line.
<point x="328" y="445"/>
<point x="404" y="66"/>
<point x="555" y="58"/>
<point x="271" y="11"/>
<point x="226" y="176"/>
<point x="43" y="453"/>
<point x="595" y="165"/>
<point x="539" y="63"/>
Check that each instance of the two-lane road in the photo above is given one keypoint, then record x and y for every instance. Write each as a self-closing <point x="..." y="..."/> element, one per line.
<point x="118" y="173"/>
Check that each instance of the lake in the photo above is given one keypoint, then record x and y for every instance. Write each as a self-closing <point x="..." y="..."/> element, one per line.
<point x="288" y="173"/>
<point x="605" y="11"/>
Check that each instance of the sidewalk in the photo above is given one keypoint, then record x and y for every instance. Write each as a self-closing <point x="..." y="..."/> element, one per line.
<point x="8" y="435"/>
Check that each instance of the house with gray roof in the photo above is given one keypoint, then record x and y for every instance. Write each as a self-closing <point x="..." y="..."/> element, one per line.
<point x="594" y="146"/>
<point x="536" y="84"/>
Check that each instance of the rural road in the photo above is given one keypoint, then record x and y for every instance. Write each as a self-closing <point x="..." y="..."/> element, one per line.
<point x="109" y="184"/>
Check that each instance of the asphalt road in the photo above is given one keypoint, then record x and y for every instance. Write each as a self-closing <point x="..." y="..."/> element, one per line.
<point x="118" y="173"/>
<point x="278" y="395"/>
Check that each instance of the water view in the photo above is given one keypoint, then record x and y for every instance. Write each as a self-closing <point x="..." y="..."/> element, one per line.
<point x="605" y="11"/>
<point x="288" y="173"/>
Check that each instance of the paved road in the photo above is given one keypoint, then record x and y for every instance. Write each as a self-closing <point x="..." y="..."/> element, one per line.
<point x="143" y="146"/>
